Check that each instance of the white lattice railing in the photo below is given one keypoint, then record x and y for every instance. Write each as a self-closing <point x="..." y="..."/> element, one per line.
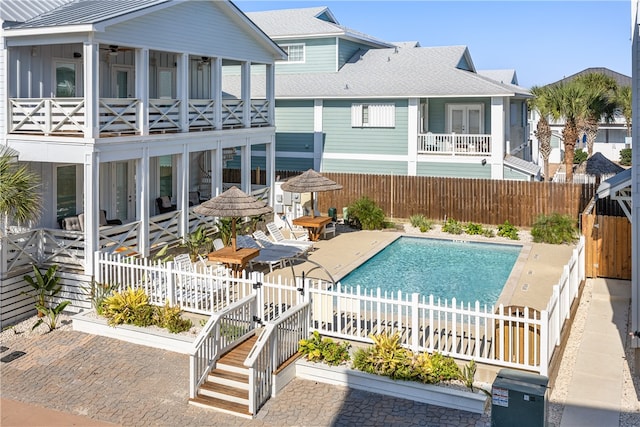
<point x="232" y="114"/>
<point x="164" y="115"/>
<point x="202" y="114"/>
<point x="118" y="116"/>
<point x="260" y="112"/>
<point x="454" y="144"/>
<point x="47" y="116"/>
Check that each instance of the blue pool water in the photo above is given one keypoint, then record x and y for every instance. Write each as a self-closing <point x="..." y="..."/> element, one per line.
<point x="443" y="268"/>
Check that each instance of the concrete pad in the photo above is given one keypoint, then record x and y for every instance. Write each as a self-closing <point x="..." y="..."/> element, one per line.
<point x="580" y="416"/>
<point x="589" y="359"/>
<point x="17" y="414"/>
<point x="595" y="391"/>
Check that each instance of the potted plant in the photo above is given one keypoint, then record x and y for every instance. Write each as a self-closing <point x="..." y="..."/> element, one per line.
<point x="44" y="287"/>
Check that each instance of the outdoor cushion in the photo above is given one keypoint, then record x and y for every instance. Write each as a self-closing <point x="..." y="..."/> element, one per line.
<point x="166" y="201"/>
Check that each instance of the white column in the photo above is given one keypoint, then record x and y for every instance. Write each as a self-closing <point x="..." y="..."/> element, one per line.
<point x="317" y="134"/>
<point x="271" y="96"/>
<point x="216" y="88"/>
<point x="635" y="181"/>
<point x="270" y="161"/>
<point x="497" y="137"/>
<point x="216" y="171"/>
<point x="91" y="209"/>
<point x="246" y="93"/>
<point x="182" y="90"/>
<point x="142" y="89"/>
<point x="245" y="162"/>
<point x="144" y="201"/>
<point x="413" y="111"/>
<point x="183" y="191"/>
<point x="508" y="143"/>
<point x="91" y="89"/>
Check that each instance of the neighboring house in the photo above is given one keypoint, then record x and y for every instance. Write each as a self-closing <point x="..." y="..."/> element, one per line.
<point x="118" y="106"/>
<point x="612" y="136"/>
<point x="347" y="102"/>
<point x="635" y="181"/>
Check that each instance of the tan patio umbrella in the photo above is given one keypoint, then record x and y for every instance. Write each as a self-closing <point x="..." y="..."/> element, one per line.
<point x="310" y="182"/>
<point x="233" y="203"/>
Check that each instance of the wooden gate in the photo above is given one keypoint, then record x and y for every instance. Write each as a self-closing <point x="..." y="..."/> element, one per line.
<point x="607" y="246"/>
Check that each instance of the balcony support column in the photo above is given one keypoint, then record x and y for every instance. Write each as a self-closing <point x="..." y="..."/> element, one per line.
<point x="91" y="89"/>
<point x="497" y="137"/>
<point x="144" y="201"/>
<point x="271" y="94"/>
<point x="183" y="91"/>
<point x="216" y="88"/>
<point x="142" y="89"/>
<point x="412" y="136"/>
<point x="245" y="166"/>
<point x="246" y="93"/>
<point x="217" y="164"/>
<point x="91" y="209"/>
<point x="183" y="191"/>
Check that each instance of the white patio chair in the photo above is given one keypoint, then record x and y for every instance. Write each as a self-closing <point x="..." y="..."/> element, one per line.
<point x="329" y="228"/>
<point x="290" y="250"/>
<point x="261" y="236"/>
<point x="279" y="237"/>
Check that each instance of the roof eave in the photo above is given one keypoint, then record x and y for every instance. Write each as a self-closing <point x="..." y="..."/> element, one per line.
<point x="43" y="31"/>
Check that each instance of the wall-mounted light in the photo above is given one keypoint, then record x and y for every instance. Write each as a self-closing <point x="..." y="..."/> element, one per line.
<point x="77" y="55"/>
<point x="34" y="51"/>
<point x="484" y="162"/>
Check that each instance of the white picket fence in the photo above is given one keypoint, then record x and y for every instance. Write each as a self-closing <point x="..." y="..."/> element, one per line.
<point x="514" y="337"/>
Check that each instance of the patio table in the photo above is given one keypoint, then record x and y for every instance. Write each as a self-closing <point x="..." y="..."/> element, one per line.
<point x="235" y="260"/>
<point x="313" y="224"/>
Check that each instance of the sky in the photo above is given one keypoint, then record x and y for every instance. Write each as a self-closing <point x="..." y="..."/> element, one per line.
<point x="544" y="40"/>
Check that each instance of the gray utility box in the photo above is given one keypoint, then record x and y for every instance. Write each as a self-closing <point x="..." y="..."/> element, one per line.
<point x="519" y="399"/>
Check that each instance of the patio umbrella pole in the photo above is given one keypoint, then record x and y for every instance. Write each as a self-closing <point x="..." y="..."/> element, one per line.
<point x="233" y="233"/>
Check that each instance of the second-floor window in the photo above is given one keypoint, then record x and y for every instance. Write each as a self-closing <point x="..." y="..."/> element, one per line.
<point x="295" y="52"/>
<point x="373" y="115"/>
<point x="66" y="79"/>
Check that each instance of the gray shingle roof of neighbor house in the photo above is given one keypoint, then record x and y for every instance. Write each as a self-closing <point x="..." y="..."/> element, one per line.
<point x="521" y="165"/>
<point x="391" y="73"/>
<point x="621" y="79"/>
<point x="18" y="11"/>
<point x="86" y="12"/>
<point x="305" y="22"/>
<point x="614" y="184"/>
<point x="502" y="76"/>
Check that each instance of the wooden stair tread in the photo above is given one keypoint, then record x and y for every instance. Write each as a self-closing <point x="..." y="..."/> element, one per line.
<point x="238" y="354"/>
<point x="232" y="376"/>
<point x="225" y="389"/>
<point x="222" y="404"/>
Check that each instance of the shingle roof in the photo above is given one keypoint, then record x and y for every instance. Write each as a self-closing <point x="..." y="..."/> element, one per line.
<point x="503" y="76"/>
<point x="87" y="12"/>
<point x="397" y="72"/>
<point x="17" y="11"/>
<point x="305" y="22"/>
<point x="621" y="79"/>
<point x="521" y="165"/>
<point x="614" y="184"/>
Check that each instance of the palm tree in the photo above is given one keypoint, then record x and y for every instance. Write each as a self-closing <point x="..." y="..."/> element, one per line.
<point x="20" y="199"/>
<point x="623" y="103"/>
<point x="540" y="103"/>
<point x="599" y="102"/>
<point x="567" y="101"/>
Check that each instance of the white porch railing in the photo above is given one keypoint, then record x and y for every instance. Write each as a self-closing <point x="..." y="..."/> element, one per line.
<point x="164" y="228"/>
<point x="454" y="144"/>
<point x="277" y="343"/>
<point x="118" y="116"/>
<point x="224" y="329"/>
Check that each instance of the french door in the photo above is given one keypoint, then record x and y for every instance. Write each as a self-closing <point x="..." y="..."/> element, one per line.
<point x="465" y="119"/>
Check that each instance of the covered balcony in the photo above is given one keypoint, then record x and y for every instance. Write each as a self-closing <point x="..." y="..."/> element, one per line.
<point x="453" y="144"/>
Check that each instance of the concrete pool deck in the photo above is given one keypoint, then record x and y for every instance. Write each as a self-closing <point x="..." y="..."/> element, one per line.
<point x="537" y="270"/>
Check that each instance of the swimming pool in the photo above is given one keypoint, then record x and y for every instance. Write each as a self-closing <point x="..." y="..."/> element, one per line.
<point x="467" y="271"/>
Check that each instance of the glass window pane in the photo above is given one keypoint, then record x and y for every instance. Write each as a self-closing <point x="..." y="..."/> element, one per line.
<point x="165" y="83"/>
<point x="474" y="121"/>
<point x="65" y="79"/>
<point x="66" y="191"/>
<point x="166" y="183"/>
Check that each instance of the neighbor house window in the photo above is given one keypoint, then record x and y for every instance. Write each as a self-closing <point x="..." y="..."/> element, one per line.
<point x="295" y="52"/>
<point x="373" y="115"/>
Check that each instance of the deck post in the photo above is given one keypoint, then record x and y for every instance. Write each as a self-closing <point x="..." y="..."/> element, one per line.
<point x="545" y="353"/>
<point x="415" y="322"/>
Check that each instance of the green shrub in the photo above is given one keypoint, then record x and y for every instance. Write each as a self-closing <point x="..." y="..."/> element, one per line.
<point x="579" y="156"/>
<point x="625" y="157"/>
<point x="365" y="214"/>
<point x="509" y="231"/>
<point x="421" y="222"/>
<point x="473" y="228"/>
<point x="488" y="232"/>
<point x="318" y="349"/>
<point x="387" y="357"/>
<point x="452" y="226"/>
<point x="554" y="229"/>
<point x="171" y="319"/>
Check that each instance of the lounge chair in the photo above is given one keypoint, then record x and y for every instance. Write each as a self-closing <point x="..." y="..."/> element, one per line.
<point x="277" y="235"/>
<point x="269" y="257"/>
<point x="329" y="228"/>
<point x="265" y="241"/>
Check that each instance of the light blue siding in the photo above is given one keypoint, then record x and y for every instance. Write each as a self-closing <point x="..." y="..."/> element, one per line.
<point x="293" y="164"/>
<point x="454" y="170"/>
<point x="513" y="174"/>
<point x="340" y="137"/>
<point x="365" y="166"/>
<point x="346" y="49"/>
<point x="320" y="57"/>
<point x="299" y="142"/>
<point x="438" y="112"/>
<point x="294" y="116"/>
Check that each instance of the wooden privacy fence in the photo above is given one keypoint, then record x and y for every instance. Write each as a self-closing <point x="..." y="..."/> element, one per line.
<point x="479" y="200"/>
<point x="608" y="246"/>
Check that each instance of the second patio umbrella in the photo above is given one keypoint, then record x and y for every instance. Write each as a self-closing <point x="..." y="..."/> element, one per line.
<point x="310" y="182"/>
<point x="233" y="203"/>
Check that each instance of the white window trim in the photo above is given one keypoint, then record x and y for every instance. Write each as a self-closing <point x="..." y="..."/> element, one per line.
<point x="304" y="53"/>
<point x="466" y="107"/>
<point x="384" y="117"/>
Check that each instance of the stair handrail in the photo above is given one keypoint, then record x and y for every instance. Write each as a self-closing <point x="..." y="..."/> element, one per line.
<point x="210" y="342"/>
<point x="271" y="350"/>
